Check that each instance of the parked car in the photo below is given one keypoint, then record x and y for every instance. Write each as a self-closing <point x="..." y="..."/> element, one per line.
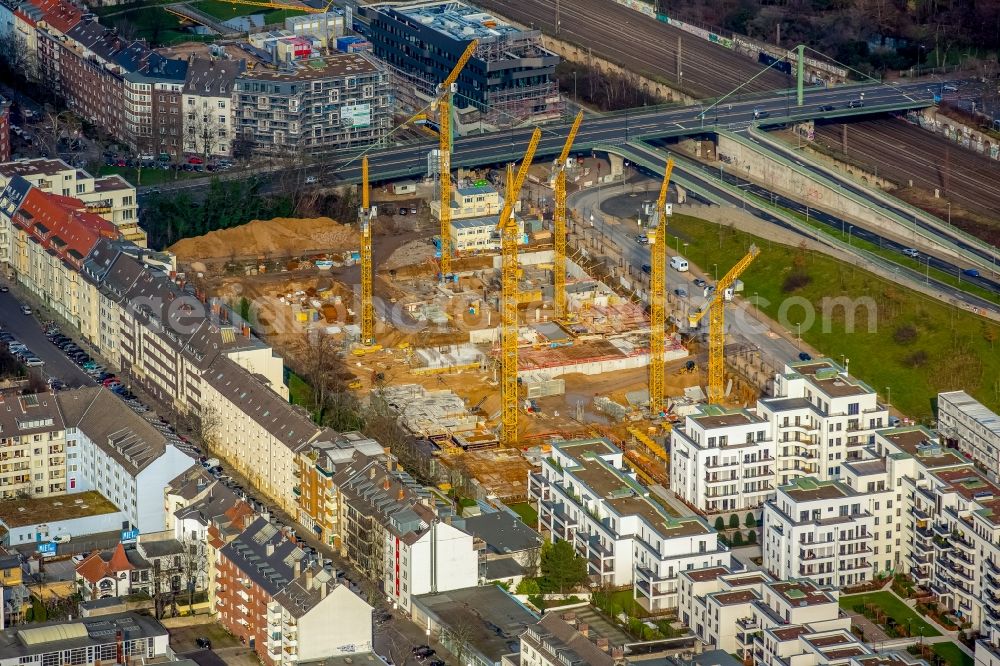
<point x="203" y="643"/>
<point x="680" y="292"/>
<point x="311" y="180"/>
<point x="971" y="272"/>
<point x="4" y="288"/>
<point x="61" y="538"/>
<point x="803" y="356"/>
<point x="911" y="252"/>
<point x="25" y="310"/>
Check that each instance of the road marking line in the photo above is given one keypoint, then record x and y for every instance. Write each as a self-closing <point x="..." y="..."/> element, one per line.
<point x="679" y="125"/>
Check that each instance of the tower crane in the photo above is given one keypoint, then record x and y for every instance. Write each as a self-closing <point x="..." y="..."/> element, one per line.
<point x="507" y="227"/>
<point x="445" y="91"/>
<point x="559" y="221"/>
<point x="366" y="214"/>
<point x="657" y="235"/>
<point x="716" y="309"/>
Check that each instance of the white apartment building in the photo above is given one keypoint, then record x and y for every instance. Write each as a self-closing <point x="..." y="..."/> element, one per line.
<point x="32" y="445"/>
<point x="722" y="460"/>
<point x="966" y="423"/>
<point x="820" y="417"/>
<point x="821" y="530"/>
<point x="111" y="197"/>
<point x="111" y="449"/>
<point x="207" y="105"/>
<point x="586" y="496"/>
<point x="475" y="214"/>
<point x="396" y="533"/>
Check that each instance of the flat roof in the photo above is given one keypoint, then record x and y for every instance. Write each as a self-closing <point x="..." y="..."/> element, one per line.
<point x="734" y="598"/>
<point x="493" y="619"/>
<point x="340" y="64"/>
<point x="866" y="467"/>
<point x="921" y="443"/>
<point x="666" y="526"/>
<point x="807" y="489"/>
<point x="457" y="20"/>
<point x="790" y="633"/>
<point x="22" y="512"/>
<point x="27" y="639"/>
<point x="702" y="575"/>
<point x="729" y="418"/>
<point x="801" y="593"/>
<point x="974" y="409"/>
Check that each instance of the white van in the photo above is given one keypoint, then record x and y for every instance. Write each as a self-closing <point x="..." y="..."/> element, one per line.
<point x="679" y="264"/>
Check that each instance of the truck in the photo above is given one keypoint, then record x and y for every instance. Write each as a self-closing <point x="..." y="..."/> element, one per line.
<point x="679" y="264"/>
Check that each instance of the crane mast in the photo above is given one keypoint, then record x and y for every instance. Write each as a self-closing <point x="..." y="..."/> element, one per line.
<point x="507" y="227"/>
<point x="657" y="235"/>
<point x="365" y="215"/>
<point x="559" y="222"/>
<point x="445" y="91"/>
<point x="716" y="310"/>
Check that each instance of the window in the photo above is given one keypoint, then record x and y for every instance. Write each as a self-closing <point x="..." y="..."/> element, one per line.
<point x="853" y="408"/>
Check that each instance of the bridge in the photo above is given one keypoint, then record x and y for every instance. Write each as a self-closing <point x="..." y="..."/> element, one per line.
<point x="646" y="123"/>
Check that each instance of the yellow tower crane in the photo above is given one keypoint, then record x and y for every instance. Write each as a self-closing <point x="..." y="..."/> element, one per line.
<point x="445" y="91"/>
<point x="282" y="5"/>
<point x="559" y="221"/>
<point x="508" y="297"/>
<point x="365" y="216"/>
<point x="717" y="327"/>
<point x="657" y="235"/>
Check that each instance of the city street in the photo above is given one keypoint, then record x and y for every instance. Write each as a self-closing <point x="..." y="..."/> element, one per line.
<point x="27" y="330"/>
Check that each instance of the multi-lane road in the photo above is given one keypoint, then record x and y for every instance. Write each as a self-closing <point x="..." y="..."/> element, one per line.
<point x="612" y="31"/>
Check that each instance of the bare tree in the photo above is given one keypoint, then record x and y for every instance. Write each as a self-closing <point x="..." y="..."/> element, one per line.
<point x="201" y="130"/>
<point x="18" y="59"/>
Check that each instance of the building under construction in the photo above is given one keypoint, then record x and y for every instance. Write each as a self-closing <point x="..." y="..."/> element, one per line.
<point x="510" y="80"/>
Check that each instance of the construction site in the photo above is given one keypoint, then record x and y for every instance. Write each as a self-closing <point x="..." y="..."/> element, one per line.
<point x="493" y="342"/>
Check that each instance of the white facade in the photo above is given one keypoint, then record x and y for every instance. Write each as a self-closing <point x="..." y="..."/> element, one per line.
<point x="820" y="530"/>
<point x="587" y="497"/>
<point x="820" y="418"/>
<point x="139" y="494"/>
<point x="722" y="460"/>
<point x="443" y="558"/>
<point x="208" y="122"/>
<point x="339" y="624"/>
<point x="972" y="427"/>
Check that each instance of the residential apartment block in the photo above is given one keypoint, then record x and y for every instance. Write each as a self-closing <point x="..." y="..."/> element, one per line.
<point x="285" y="608"/>
<point x="207" y="105"/>
<point x="586" y="496"/>
<point x="339" y="101"/>
<point x="733" y="460"/>
<point x="111" y="197"/>
<point x="722" y="460"/>
<point x="32" y="445"/>
<point x="396" y="531"/>
<point x="115" y="451"/>
<point x="966" y="423"/>
<point x="4" y="129"/>
<point x="821" y="530"/>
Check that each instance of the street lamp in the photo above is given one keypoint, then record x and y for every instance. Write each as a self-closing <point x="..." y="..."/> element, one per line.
<point x="888" y="395"/>
<point x="716" y="272"/>
<point x="756" y="306"/>
<point x="949" y="213"/>
<point x="850" y="230"/>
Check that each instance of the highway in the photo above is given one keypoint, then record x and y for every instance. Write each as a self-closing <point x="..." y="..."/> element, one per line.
<point x="612" y="30"/>
<point x="706" y="178"/>
<point x="612" y="129"/>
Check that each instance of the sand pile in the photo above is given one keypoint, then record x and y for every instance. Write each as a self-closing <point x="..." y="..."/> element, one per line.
<point x="278" y="237"/>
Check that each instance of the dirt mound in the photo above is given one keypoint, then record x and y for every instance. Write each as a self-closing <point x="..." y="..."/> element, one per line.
<point x="278" y="237"/>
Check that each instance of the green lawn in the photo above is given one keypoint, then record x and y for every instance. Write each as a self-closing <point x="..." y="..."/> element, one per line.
<point x="892" y="606"/>
<point x="299" y="392"/>
<point x="919" y="265"/>
<point x="154" y="24"/>
<point x="223" y="10"/>
<point x="952" y="654"/>
<point x="149" y="176"/>
<point x="919" y="346"/>
<point x="527" y="513"/>
<point x="622" y="601"/>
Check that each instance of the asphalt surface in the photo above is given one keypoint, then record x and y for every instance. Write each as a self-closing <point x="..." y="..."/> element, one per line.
<point x="612" y="31"/>
<point x="497" y="148"/>
<point x="28" y="330"/>
<point x="706" y="177"/>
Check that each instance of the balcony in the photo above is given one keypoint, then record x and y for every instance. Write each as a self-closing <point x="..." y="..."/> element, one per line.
<point x="919" y="574"/>
<point x="711" y="479"/>
<point x="716" y="464"/>
<point x="855" y="536"/>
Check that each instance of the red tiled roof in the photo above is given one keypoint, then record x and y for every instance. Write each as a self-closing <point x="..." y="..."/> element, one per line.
<point x="50" y="216"/>
<point x="60" y="14"/>
<point x="94" y="568"/>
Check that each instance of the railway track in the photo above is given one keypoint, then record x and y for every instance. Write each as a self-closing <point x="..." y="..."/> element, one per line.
<point x="642" y="44"/>
<point x="904" y="152"/>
